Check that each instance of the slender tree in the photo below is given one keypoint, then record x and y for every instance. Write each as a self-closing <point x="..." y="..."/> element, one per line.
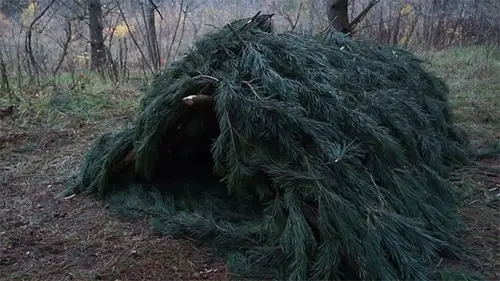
<point x="97" y="51"/>
<point x="152" y="38"/>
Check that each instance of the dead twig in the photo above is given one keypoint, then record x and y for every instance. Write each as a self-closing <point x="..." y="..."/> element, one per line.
<point x="362" y="14"/>
<point x="156" y="8"/>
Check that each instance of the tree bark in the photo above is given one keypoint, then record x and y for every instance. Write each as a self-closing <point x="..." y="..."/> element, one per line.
<point x="97" y="52"/>
<point x="4" y="86"/>
<point x="152" y="37"/>
<point x="338" y="15"/>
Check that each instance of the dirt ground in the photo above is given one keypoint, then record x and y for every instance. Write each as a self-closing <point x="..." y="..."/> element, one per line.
<point x="45" y="236"/>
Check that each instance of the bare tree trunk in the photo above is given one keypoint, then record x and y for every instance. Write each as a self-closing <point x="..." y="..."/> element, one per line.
<point x="64" y="47"/>
<point x="338" y="15"/>
<point x="136" y="43"/>
<point x="411" y="31"/>
<point x="396" y="28"/>
<point x="440" y="31"/>
<point x="152" y="37"/>
<point x="97" y="52"/>
<point x="4" y="86"/>
<point x="28" y="46"/>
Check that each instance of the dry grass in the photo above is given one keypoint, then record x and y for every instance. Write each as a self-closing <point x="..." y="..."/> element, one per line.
<point x="44" y="236"/>
<point x="472" y="74"/>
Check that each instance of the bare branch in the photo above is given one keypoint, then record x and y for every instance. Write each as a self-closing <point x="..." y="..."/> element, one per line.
<point x="132" y="36"/>
<point x="176" y="30"/>
<point x="64" y="48"/>
<point x="28" y="40"/>
<point x="156" y="8"/>
<point x="362" y="14"/>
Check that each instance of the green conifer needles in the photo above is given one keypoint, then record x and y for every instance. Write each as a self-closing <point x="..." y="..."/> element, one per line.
<point x="294" y="157"/>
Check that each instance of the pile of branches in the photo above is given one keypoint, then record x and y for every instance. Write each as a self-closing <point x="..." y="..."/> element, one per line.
<point x="294" y="157"/>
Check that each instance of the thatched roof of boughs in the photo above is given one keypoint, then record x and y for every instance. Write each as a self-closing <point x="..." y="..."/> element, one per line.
<point x="294" y="157"/>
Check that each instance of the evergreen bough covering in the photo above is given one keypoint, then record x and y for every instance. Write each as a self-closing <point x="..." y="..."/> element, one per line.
<point x="298" y="157"/>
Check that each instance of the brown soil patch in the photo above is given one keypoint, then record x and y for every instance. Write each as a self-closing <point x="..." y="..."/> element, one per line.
<point x="481" y="214"/>
<point x="44" y="236"/>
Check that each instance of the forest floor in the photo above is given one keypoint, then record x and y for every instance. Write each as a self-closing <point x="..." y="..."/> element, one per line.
<point x="46" y="236"/>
